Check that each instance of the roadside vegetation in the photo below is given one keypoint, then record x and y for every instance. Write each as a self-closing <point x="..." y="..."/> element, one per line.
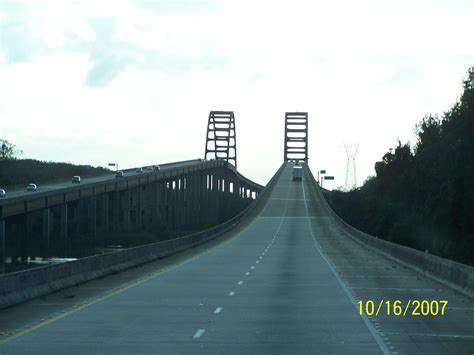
<point x="423" y="196"/>
<point x="15" y="171"/>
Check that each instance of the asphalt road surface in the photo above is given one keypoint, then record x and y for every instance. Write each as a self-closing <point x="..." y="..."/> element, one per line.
<point x="288" y="283"/>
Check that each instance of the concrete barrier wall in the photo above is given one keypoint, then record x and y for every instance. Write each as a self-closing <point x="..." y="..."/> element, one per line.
<point x="457" y="276"/>
<point x="28" y="284"/>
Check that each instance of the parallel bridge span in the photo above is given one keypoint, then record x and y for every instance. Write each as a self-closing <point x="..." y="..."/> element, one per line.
<point x="185" y="195"/>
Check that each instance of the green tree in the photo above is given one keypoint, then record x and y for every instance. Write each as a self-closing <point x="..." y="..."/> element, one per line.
<point x="423" y="197"/>
<point x="8" y="150"/>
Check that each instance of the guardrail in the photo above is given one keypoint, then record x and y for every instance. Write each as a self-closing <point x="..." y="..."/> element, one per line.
<point x="24" y="285"/>
<point x="449" y="273"/>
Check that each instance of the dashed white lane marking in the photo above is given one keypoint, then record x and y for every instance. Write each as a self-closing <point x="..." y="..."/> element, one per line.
<point x="260" y="257"/>
<point x="198" y="333"/>
<point x="218" y="310"/>
<point x="257" y="262"/>
<point x="252" y="267"/>
<point x="240" y="282"/>
<point x="231" y="293"/>
<point x="247" y="273"/>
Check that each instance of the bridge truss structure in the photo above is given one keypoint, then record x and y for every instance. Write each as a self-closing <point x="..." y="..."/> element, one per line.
<point x="296" y="136"/>
<point x="221" y="138"/>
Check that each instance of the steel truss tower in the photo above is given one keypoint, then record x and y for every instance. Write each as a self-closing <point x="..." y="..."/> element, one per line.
<point x="220" y="138"/>
<point x="351" y="176"/>
<point x="296" y="136"/>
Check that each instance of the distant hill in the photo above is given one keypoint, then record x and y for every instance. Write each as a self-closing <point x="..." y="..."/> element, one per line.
<point x="25" y="171"/>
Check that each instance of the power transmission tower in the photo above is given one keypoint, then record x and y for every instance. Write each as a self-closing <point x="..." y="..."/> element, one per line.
<point x="351" y="176"/>
<point x="220" y="137"/>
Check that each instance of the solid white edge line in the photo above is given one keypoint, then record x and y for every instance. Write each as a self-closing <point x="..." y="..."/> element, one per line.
<point x="383" y="347"/>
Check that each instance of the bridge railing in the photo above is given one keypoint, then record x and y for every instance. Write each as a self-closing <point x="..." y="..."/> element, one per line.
<point x="455" y="275"/>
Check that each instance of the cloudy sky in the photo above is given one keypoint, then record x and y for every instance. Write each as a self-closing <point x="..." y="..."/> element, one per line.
<point x="93" y="82"/>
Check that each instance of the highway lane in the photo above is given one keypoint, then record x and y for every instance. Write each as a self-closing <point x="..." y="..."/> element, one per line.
<point x="11" y="194"/>
<point x="287" y="283"/>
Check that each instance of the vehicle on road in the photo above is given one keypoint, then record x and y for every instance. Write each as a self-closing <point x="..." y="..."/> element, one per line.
<point x="297" y="173"/>
<point x="150" y="168"/>
<point x="156" y="168"/>
<point x="139" y="170"/>
<point x="3" y="193"/>
<point x="76" y="179"/>
<point x="31" y="187"/>
<point x="119" y="174"/>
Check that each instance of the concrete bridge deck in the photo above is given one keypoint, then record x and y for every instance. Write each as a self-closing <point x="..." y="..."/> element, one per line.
<point x="288" y="282"/>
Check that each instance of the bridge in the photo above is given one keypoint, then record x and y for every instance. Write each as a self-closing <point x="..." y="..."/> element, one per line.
<point x="281" y="273"/>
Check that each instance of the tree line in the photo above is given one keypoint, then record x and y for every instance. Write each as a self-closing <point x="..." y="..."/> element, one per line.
<point x="423" y="196"/>
<point x="14" y="171"/>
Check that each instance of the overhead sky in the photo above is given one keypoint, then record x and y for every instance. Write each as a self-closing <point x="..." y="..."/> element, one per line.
<point x="132" y="82"/>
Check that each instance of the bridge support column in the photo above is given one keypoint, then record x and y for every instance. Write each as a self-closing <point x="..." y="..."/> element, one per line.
<point x="159" y="202"/>
<point x="171" y="204"/>
<point x="148" y="205"/>
<point x="64" y="227"/>
<point x="220" y="197"/>
<point x="139" y="208"/>
<point x="166" y="204"/>
<point x="235" y="195"/>
<point x="77" y="217"/>
<point x="193" y="199"/>
<point x="195" y="196"/>
<point x="105" y="212"/>
<point x="188" y="200"/>
<point x="212" y="196"/>
<point x="126" y="206"/>
<point x="179" y="202"/>
<point x="93" y="215"/>
<point x="185" y="201"/>
<point x="198" y="196"/>
<point x="3" y="252"/>
<point x="46" y="233"/>
<point x="215" y="196"/>
<point x="115" y="212"/>
<point x="25" y="238"/>
<point x="205" y="200"/>
<point x="228" y="195"/>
